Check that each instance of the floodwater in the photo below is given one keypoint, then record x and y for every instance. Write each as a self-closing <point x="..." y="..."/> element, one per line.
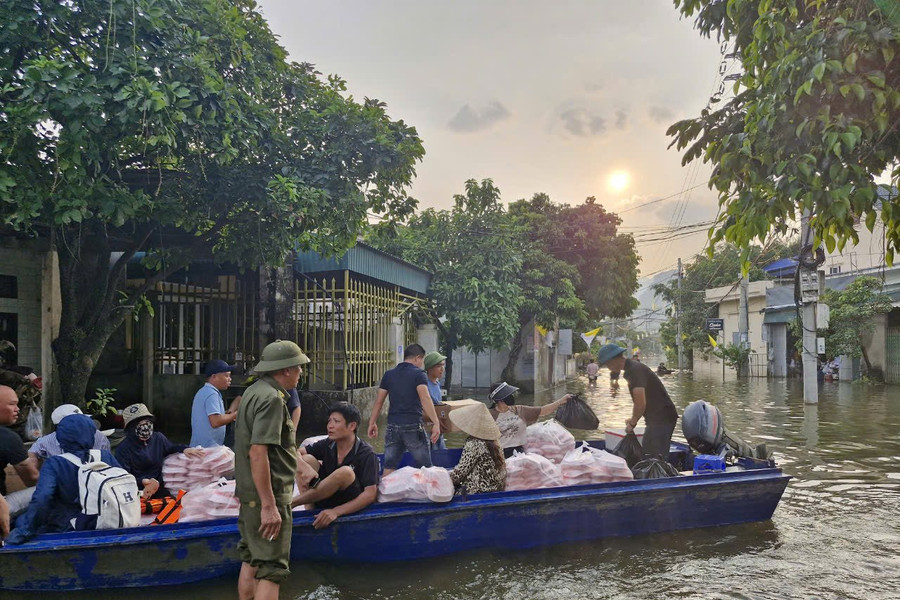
<point x="835" y="534"/>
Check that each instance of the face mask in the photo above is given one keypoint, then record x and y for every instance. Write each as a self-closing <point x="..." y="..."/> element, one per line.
<point x="144" y="430"/>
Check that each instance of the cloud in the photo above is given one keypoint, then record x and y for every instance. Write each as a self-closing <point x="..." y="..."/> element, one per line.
<point x="660" y="114"/>
<point x="468" y="119"/>
<point x="581" y="123"/>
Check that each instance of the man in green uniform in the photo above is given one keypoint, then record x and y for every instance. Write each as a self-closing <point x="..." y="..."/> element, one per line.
<point x="265" y="463"/>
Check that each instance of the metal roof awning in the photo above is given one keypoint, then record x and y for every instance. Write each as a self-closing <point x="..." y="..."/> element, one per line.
<point x="774" y="317"/>
<point x="363" y="259"/>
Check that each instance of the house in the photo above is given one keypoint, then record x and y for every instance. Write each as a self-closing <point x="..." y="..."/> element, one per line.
<point x="352" y="315"/>
<point x="727" y="301"/>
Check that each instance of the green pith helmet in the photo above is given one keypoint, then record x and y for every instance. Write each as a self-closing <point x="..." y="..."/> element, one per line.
<point x="433" y="358"/>
<point x="280" y="354"/>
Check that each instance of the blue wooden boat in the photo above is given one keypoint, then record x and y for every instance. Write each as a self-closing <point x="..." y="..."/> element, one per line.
<point x="183" y="553"/>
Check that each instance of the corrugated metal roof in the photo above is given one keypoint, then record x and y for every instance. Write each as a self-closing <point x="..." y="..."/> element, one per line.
<point x="370" y="262"/>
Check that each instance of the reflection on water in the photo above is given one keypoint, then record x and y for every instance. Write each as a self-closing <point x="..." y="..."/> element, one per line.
<point x="835" y="535"/>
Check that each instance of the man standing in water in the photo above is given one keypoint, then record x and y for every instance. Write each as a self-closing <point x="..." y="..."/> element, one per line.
<point x="649" y="397"/>
<point x="265" y="463"/>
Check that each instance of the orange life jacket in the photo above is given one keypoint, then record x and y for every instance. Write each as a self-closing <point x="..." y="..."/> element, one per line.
<point x="153" y="506"/>
<point x="171" y="511"/>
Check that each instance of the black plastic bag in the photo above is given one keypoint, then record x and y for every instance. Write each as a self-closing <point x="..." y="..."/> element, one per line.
<point x="630" y="449"/>
<point x="576" y="414"/>
<point x="653" y="468"/>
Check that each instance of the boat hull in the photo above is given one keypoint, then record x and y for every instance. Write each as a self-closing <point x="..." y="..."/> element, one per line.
<point x="189" y="552"/>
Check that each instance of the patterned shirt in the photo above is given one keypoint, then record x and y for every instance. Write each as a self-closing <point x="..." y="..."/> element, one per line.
<point x="476" y="469"/>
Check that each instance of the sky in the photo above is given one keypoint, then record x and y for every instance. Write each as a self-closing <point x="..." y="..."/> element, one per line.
<point x="570" y="98"/>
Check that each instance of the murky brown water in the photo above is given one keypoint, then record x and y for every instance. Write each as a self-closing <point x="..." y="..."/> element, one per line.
<point x="835" y="535"/>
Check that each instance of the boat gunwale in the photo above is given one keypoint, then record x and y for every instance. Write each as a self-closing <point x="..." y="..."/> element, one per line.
<point x="184" y="532"/>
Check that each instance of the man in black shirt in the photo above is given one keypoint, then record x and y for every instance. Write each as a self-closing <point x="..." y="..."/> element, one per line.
<point x="12" y="452"/>
<point x="338" y="474"/>
<point x="650" y="398"/>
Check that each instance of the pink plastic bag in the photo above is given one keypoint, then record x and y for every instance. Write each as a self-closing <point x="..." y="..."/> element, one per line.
<point x="214" y="501"/>
<point x="585" y="465"/>
<point x="531" y="472"/>
<point x="181" y="472"/>
<point x="427" y="484"/>
<point x="549" y="439"/>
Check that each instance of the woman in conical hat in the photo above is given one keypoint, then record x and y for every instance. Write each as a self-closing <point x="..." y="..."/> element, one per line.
<point x="481" y="466"/>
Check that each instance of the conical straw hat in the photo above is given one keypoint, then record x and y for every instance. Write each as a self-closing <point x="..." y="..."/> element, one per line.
<point x="476" y="420"/>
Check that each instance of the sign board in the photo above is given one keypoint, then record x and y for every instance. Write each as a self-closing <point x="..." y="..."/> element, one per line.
<point x="565" y="342"/>
<point x="820" y="345"/>
<point x="715" y="324"/>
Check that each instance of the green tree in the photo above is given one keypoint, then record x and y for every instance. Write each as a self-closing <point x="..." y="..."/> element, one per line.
<point x="475" y="254"/>
<point x="176" y="128"/>
<point x="577" y="269"/>
<point x="851" y="319"/>
<point x="812" y="123"/>
<point x="705" y="272"/>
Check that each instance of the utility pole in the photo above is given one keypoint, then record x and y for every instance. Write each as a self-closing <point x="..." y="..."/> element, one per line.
<point x="809" y="288"/>
<point x="744" y="321"/>
<point x="678" y="340"/>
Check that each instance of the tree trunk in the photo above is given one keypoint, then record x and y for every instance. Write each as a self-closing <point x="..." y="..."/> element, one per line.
<point x="865" y="356"/>
<point x="92" y="306"/>
<point x="515" y="350"/>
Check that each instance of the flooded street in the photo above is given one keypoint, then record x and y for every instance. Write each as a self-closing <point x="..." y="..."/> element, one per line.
<point x="835" y="534"/>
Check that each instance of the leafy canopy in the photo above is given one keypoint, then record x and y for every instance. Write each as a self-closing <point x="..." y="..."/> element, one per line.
<point x="812" y="123"/>
<point x="851" y="314"/>
<point x="184" y="116"/>
<point x="475" y="254"/>
<point x="177" y="128"/>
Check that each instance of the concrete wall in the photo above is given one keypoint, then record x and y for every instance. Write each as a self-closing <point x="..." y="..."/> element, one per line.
<point x="26" y="266"/>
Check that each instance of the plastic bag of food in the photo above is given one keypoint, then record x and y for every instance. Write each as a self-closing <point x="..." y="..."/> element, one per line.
<point x="182" y="472"/>
<point x="34" y="424"/>
<point x="653" y="468"/>
<point x="409" y="484"/>
<point x="615" y="466"/>
<point x="630" y="449"/>
<point x="576" y="414"/>
<point x="527" y="471"/>
<point x="312" y="440"/>
<point x="213" y="501"/>
<point x="549" y="439"/>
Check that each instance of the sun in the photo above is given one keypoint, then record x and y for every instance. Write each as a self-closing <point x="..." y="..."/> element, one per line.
<point x="618" y="181"/>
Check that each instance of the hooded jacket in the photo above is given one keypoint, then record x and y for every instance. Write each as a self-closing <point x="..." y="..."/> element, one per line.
<point x="55" y="502"/>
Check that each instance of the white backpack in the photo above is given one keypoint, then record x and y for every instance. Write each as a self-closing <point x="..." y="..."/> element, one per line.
<point x="111" y="493"/>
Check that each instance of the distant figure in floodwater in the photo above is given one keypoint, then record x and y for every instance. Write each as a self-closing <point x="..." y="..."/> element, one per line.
<point x="662" y="369"/>
<point x="592" y="369"/>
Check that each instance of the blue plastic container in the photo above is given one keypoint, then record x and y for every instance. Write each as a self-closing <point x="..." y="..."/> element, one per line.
<point x="708" y="463"/>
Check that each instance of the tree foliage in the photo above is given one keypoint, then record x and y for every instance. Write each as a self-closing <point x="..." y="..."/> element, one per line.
<point x="179" y="129"/>
<point x="813" y="121"/>
<point x="475" y="254"/>
<point x="497" y="271"/>
<point x="851" y="316"/>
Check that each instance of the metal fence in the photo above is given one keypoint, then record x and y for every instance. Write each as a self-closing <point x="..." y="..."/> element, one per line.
<point x="344" y="324"/>
<point x="193" y="324"/>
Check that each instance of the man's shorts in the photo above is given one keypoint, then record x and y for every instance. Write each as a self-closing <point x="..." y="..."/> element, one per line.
<point x="412" y="438"/>
<point x="271" y="558"/>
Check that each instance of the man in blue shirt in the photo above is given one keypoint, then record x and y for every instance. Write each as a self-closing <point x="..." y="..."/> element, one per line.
<point x="208" y="414"/>
<point x="434" y="371"/>
<point x="407" y="386"/>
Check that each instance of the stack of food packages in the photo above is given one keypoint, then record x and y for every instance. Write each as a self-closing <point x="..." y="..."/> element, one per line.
<point x="213" y="501"/>
<point x="187" y="473"/>
<point x="312" y="440"/>
<point x="584" y="465"/>
<point x="409" y="484"/>
<point x="527" y="471"/>
<point x="549" y="439"/>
